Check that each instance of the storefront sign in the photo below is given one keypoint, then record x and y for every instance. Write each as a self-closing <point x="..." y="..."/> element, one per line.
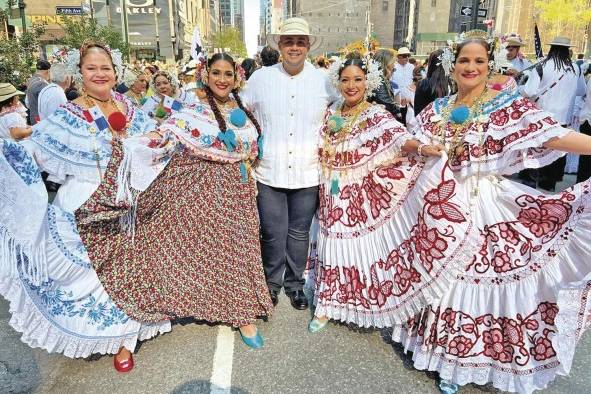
<point x="68" y="10"/>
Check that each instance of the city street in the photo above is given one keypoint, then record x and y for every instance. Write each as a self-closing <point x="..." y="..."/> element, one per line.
<point x="197" y="358"/>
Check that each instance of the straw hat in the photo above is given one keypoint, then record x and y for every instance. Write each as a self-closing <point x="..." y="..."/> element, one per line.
<point x="561" y="42"/>
<point x="7" y="91"/>
<point x="294" y="27"/>
<point x="514" y="40"/>
<point x="404" y="51"/>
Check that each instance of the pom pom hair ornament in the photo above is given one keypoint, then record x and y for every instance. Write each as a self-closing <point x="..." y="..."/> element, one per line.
<point x="373" y="76"/>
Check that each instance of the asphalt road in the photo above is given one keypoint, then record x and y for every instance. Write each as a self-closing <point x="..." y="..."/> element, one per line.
<point x="337" y="360"/>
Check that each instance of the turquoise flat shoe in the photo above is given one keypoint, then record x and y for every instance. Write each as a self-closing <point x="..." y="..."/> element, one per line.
<point x="255" y="342"/>
<point x="315" y="326"/>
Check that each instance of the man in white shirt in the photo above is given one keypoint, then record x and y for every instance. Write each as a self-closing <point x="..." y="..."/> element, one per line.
<point x="402" y="75"/>
<point x="555" y="92"/>
<point x="513" y="46"/>
<point x="53" y="95"/>
<point x="289" y="100"/>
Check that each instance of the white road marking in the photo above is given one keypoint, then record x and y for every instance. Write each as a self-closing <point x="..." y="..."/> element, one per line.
<point x="221" y="374"/>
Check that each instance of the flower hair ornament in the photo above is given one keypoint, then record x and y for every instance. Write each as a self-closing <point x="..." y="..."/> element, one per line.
<point x="373" y="73"/>
<point x="202" y="72"/>
<point x="72" y="60"/>
<point x="173" y="81"/>
<point x="448" y="57"/>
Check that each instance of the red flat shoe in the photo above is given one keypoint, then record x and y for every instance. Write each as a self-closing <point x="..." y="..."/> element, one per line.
<point x="125" y="365"/>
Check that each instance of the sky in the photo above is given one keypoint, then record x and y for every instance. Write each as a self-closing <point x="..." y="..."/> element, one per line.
<point x="251" y="25"/>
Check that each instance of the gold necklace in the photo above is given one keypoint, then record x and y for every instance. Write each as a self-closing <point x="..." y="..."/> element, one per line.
<point x="90" y="102"/>
<point x="338" y="130"/>
<point x="466" y="117"/>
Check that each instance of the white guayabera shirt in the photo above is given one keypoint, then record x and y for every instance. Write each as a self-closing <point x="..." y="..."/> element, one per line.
<point x="556" y="91"/>
<point x="290" y="111"/>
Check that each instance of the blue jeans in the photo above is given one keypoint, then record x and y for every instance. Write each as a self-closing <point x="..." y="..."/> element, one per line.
<point x="286" y="216"/>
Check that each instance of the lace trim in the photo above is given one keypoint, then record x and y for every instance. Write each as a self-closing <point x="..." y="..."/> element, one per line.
<point x="38" y="332"/>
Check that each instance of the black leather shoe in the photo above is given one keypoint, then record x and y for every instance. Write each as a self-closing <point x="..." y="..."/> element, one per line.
<point x="274" y="297"/>
<point x="298" y="299"/>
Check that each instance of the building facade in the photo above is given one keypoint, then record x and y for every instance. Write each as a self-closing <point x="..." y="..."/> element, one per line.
<point x="338" y="23"/>
<point x="382" y="21"/>
<point x="232" y="14"/>
<point x="157" y="29"/>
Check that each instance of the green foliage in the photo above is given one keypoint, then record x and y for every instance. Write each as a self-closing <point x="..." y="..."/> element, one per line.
<point x="559" y="15"/>
<point x="79" y="29"/>
<point x="18" y="55"/>
<point x="231" y="38"/>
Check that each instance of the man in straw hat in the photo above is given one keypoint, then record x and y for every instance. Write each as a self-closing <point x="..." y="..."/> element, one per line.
<point x="513" y="44"/>
<point x="554" y="86"/>
<point x="403" y="73"/>
<point x="288" y="99"/>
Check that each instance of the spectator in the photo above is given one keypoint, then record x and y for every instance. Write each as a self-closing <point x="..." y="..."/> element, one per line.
<point x="322" y="63"/>
<point x="249" y="65"/>
<point x="34" y="85"/>
<point x="269" y="56"/>
<point x="402" y="75"/>
<point x="53" y="95"/>
<point x="13" y="114"/>
<point x="513" y="46"/>
<point x="436" y="85"/>
<point x="553" y="87"/>
<point x="384" y="94"/>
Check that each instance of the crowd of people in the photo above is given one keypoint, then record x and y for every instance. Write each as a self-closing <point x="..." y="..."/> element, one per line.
<point x="384" y="186"/>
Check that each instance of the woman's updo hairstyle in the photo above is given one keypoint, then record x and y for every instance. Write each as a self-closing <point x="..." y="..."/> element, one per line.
<point x="479" y="37"/>
<point x="211" y="99"/>
<point x="172" y="80"/>
<point x="93" y="46"/>
<point x="222" y="56"/>
<point x="353" y="59"/>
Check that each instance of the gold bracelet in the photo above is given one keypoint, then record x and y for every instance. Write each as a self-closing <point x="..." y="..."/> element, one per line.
<point x="420" y="149"/>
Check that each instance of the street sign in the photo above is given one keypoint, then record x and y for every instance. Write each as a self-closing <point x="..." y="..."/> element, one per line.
<point x="482" y="12"/>
<point x="466" y="11"/>
<point x="59" y="10"/>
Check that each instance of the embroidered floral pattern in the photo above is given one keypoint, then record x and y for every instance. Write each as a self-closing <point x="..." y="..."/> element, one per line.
<point x="72" y="250"/>
<point x="60" y="303"/>
<point x="511" y="245"/>
<point x="397" y="275"/>
<point x="507" y="340"/>
<point x="21" y="162"/>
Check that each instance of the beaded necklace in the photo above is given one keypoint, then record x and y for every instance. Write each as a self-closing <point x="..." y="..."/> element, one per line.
<point x="459" y="119"/>
<point x="339" y="130"/>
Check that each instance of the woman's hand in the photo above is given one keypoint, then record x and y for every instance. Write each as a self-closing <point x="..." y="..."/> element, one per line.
<point x="430" y="150"/>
